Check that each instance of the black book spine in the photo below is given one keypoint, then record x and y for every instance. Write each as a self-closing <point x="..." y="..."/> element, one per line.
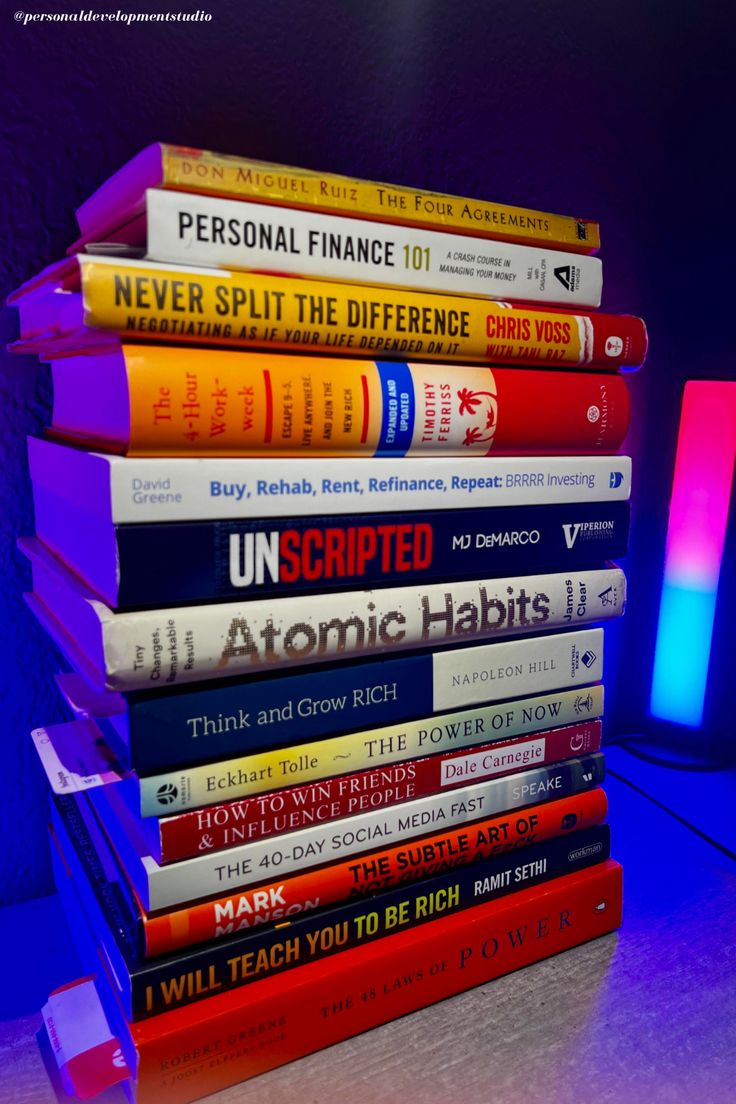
<point x="176" y="980"/>
<point x="174" y="563"/>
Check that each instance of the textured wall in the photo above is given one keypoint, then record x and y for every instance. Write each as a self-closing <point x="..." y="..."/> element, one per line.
<point x="612" y="109"/>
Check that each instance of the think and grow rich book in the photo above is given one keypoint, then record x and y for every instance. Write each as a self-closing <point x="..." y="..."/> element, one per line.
<point x="149" y="987"/>
<point x="206" y="231"/>
<point x="135" y="650"/>
<point x="147" y="400"/>
<point x="173" y="727"/>
<point x="115" y="210"/>
<point x="91" y="302"/>
<point x="200" y="1048"/>
<point x="147" y="935"/>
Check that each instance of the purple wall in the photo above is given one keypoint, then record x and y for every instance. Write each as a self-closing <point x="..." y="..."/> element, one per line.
<point x="617" y="110"/>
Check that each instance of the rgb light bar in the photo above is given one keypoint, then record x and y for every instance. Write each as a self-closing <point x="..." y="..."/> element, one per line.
<point x="701" y="492"/>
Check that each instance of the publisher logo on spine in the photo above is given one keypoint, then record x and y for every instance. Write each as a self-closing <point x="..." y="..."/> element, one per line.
<point x="587" y="531"/>
<point x="568" y="276"/>
<point x="615" y="479"/>
<point x="167" y="794"/>
<point x="584" y="702"/>
<point x="585" y="852"/>
<point x="614" y="346"/>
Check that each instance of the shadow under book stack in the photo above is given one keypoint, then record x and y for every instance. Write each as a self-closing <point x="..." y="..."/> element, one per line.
<point x="330" y="611"/>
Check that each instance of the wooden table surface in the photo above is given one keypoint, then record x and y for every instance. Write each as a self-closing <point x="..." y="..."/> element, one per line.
<point x="647" y="1015"/>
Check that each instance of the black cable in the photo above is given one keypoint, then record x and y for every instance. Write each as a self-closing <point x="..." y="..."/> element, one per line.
<point x="676" y="816"/>
<point x="629" y="744"/>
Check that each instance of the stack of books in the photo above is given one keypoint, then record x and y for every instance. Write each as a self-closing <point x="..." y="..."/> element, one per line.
<point x="331" y="622"/>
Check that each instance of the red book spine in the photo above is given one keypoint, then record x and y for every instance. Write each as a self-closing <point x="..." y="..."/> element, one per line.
<point x="371" y="873"/>
<point x="196" y="1050"/>
<point x="217" y="827"/>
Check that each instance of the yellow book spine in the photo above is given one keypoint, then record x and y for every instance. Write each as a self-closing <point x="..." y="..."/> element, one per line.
<point x="239" y="178"/>
<point x="162" y="303"/>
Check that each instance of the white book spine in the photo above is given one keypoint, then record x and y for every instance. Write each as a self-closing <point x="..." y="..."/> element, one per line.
<point x="250" y="863"/>
<point x="155" y="648"/>
<point x="189" y="229"/>
<point x="145" y="490"/>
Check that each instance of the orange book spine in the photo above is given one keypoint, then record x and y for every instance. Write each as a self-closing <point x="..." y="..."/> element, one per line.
<point x="368" y="874"/>
<point x="168" y="303"/>
<point x="193" y="1051"/>
<point x="191" y="402"/>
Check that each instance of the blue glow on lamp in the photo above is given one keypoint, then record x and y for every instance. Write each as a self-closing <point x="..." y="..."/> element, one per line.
<point x="701" y="492"/>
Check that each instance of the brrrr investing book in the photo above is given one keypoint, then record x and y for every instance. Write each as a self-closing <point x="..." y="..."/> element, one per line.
<point x="121" y="199"/>
<point x="91" y="302"/>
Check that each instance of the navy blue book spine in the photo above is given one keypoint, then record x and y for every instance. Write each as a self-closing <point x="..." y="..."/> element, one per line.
<point x="186" y="725"/>
<point x="174" y="980"/>
<point x="168" y="730"/>
<point x="172" y="564"/>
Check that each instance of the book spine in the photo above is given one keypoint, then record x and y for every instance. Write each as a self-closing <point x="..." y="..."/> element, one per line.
<point x="160" y="564"/>
<point x="215" y="174"/>
<point x="230" y="718"/>
<point x="197" y="1050"/>
<point x="224" y="233"/>
<point x="78" y="844"/>
<point x="193" y="490"/>
<point x="174" y="303"/>
<point x="160" y="986"/>
<point x="328" y="792"/>
<point x="189" y="643"/>
<point x="343" y="996"/>
<point x="247" y="864"/>
<point x="373" y="873"/>
<point x="192" y="402"/>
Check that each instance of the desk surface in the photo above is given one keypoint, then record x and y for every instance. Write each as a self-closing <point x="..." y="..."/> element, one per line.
<point x="647" y="1015"/>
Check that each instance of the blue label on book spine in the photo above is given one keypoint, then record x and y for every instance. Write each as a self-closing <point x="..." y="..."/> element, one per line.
<point x="397" y="423"/>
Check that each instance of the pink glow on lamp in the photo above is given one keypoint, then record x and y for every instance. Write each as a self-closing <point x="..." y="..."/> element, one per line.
<point x="701" y="492"/>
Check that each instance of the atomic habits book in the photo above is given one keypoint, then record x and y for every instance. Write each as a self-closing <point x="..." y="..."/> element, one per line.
<point x="129" y="651"/>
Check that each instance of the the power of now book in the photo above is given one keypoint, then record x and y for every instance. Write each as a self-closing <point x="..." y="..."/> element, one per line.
<point x="115" y="210"/>
<point x="147" y="400"/>
<point x="191" y="229"/>
<point x="127" y="651"/>
<point x="95" y="491"/>
<point x="92" y="302"/>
